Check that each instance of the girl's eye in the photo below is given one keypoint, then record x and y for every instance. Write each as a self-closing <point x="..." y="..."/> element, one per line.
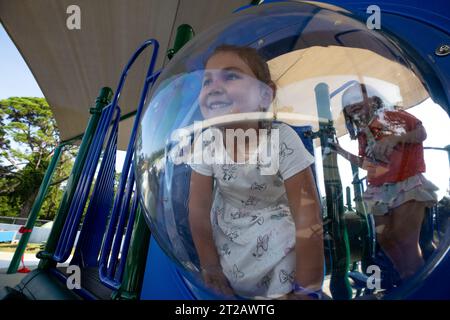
<point x="232" y="76"/>
<point x="206" y="82"/>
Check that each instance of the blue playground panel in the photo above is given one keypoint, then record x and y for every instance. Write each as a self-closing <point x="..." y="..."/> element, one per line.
<point x="162" y="280"/>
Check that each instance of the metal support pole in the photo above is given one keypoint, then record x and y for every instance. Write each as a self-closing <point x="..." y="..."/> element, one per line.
<point x="184" y="34"/>
<point x="340" y="253"/>
<point x="368" y="235"/>
<point x="348" y="196"/>
<point x="37" y="205"/>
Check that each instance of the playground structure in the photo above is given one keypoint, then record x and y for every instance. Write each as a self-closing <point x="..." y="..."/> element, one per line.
<point x="114" y="232"/>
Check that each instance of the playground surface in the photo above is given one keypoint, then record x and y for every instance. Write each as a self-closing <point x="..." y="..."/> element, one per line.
<point x="11" y="280"/>
<point x="30" y="260"/>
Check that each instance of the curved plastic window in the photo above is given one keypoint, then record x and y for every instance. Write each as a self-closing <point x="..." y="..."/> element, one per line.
<point x="328" y="177"/>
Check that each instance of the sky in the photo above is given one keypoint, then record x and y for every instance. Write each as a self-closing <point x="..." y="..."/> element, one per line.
<point x="17" y="80"/>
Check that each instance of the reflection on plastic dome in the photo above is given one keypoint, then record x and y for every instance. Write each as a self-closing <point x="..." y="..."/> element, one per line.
<point x="313" y="165"/>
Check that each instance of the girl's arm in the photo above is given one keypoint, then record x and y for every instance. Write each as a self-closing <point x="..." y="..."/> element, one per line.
<point x="305" y="209"/>
<point x="358" y="161"/>
<point x="200" y="202"/>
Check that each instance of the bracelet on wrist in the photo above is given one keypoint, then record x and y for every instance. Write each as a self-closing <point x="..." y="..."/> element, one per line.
<point x="298" y="289"/>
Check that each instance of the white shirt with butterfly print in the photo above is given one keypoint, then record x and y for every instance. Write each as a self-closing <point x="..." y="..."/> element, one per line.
<point x="253" y="228"/>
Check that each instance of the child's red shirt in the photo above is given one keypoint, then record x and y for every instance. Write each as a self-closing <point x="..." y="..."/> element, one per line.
<point x="406" y="160"/>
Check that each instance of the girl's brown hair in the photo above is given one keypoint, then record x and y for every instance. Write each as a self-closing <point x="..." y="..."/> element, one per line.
<point x="253" y="59"/>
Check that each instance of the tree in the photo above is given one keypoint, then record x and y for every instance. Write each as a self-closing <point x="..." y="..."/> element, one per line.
<point x="28" y="139"/>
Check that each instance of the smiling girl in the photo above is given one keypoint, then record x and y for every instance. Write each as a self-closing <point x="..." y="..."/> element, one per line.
<point x="256" y="235"/>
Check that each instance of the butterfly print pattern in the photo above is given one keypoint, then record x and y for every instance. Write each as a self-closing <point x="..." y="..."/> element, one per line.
<point x="262" y="245"/>
<point x="250" y="202"/>
<point x="229" y="172"/>
<point x="237" y="274"/>
<point x="231" y="235"/>
<point x="285" y="151"/>
<point x="258" y="187"/>
<point x="259" y="220"/>
<point x="239" y="214"/>
<point x="225" y="250"/>
<point x="286" y="276"/>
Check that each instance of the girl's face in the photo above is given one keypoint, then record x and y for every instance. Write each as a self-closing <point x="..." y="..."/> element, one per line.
<point x="230" y="86"/>
<point x="361" y="112"/>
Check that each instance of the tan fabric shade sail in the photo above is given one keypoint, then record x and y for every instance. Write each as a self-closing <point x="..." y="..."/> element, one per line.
<point x="299" y="72"/>
<point x="70" y="66"/>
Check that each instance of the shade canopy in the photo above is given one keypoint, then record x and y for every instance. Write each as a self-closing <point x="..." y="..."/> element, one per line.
<point x="70" y="66"/>
<point x="297" y="74"/>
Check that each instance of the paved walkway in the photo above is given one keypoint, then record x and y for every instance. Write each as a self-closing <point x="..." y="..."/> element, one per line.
<point x="11" y="280"/>
<point x="30" y="260"/>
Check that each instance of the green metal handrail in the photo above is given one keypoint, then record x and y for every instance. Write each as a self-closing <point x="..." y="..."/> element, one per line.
<point x="37" y="205"/>
<point x="136" y="259"/>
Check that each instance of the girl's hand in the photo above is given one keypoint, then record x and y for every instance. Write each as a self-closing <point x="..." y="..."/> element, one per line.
<point x="216" y="280"/>
<point x="383" y="148"/>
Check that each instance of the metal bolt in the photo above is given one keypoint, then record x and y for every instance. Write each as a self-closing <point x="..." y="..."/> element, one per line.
<point x="443" y="50"/>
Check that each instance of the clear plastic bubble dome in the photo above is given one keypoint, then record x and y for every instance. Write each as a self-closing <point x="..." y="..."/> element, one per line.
<point x="328" y="175"/>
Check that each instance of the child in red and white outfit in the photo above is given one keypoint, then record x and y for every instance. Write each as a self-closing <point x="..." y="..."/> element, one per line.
<point x="391" y="150"/>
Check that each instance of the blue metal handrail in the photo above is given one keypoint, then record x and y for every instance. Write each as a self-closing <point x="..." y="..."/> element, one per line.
<point x="68" y="234"/>
<point x="69" y="224"/>
<point x="94" y="225"/>
<point x="126" y="241"/>
<point x="120" y="211"/>
<point x="77" y="206"/>
<point x="119" y="229"/>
